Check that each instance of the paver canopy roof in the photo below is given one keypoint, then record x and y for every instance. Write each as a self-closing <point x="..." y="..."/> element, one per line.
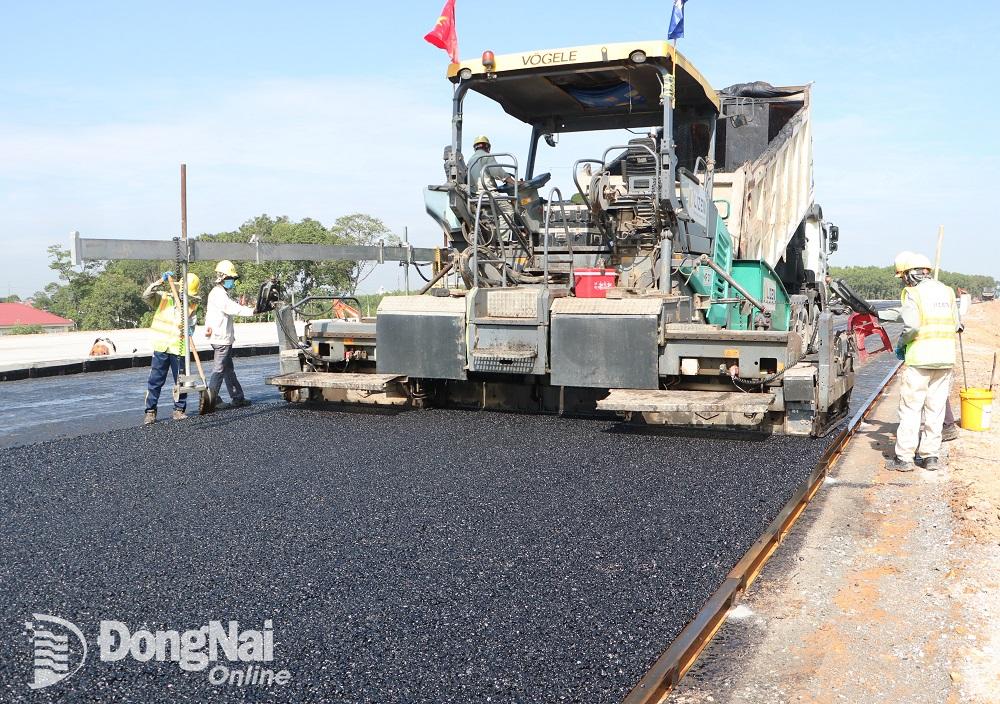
<point x="589" y="87"/>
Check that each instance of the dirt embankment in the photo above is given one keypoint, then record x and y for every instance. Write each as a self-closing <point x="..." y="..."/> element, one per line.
<point x="975" y="458"/>
<point x="974" y="496"/>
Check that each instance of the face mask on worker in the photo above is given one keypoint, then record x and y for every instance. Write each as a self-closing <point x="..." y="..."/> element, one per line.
<point x="915" y="276"/>
<point x="228" y="283"/>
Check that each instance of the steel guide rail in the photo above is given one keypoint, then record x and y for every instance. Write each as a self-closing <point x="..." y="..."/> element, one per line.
<point x="674" y="663"/>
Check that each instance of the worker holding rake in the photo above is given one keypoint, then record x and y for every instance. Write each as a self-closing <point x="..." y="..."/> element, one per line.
<point x="168" y="335"/>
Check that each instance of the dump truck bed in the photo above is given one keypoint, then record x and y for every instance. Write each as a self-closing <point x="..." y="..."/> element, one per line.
<point x="764" y="170"/>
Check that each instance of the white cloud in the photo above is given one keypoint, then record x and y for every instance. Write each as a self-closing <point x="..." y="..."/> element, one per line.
<point x="320" y="148"/>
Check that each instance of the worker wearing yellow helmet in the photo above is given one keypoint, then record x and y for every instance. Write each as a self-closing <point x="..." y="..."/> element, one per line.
<point x="221" y="333"/>
<point x="904" y="262"/>
<point x="169" y="337"/>
<point x="479" y="174"/>
<point x="927" y="344"/>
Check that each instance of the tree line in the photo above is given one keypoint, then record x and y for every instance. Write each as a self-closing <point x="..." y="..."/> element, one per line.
<point x="108" y="295"/>
<point x="880" y="282"/>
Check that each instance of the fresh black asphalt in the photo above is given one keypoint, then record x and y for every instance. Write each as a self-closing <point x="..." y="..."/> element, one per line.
<point x="427" y="556"/>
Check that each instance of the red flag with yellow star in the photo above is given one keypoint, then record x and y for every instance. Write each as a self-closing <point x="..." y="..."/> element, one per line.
<point x="444" y="35"/>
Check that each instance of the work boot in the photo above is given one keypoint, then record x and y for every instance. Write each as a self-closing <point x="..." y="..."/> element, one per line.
<point x="899" y="465"/>
<point x="931" y="464"/>
<point x="179" y="415"/>
<point x="149" y="418"/>
<point x="950" y="432"/>
<point x="243" y="402"/>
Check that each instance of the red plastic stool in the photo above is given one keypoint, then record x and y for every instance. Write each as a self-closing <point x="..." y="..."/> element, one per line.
<point x="862" y="325"/>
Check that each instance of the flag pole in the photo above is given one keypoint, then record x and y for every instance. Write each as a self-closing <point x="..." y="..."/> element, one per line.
<point x="673" y="77"/>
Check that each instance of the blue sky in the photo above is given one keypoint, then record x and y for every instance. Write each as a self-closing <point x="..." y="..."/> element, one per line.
<point x="324" y="108"/>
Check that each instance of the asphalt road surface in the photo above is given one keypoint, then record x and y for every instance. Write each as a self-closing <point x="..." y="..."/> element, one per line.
<point x="34" y="410"/>
<point x="426" y="556"/>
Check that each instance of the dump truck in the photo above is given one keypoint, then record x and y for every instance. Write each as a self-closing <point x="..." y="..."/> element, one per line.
<point x="682" y="282"/>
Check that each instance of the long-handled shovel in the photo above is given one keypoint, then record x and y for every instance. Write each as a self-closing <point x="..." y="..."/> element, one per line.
<point x="206" y="402"/>
<point x="961" y="352"/>
<point x="993" y="374"/>
<point x="186" y="382"/>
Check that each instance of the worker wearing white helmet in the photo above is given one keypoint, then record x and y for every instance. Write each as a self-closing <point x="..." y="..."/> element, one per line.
<point x="167" y="330"/>
<point x="221" y="334"/>
<point x="479" y="174"/>
<point x="927" y="345"/>
<point x="904" y="260"/>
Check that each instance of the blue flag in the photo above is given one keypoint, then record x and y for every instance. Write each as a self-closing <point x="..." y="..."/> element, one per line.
<point x="677" y="20"/>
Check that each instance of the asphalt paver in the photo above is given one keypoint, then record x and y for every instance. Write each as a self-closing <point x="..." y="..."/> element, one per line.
<point x="424" y="556"/>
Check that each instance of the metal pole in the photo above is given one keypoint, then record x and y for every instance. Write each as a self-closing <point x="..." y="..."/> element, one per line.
<point x="529" y="169"/>
<point x="457" y="97"/>
<point x="184" y="203"/>
<point x="961" y="350"/>
<point x="666" y="171"/>
<point x="993" y="373"/>
<point x="442" y="272"/>
<point x="184" y="271"/>
<point x="406" y="264"/>
<point x="937" y="255"/>
<point x="705" y="259"/>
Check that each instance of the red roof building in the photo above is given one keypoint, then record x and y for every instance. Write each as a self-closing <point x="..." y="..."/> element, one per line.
<point x="14" y="314"/>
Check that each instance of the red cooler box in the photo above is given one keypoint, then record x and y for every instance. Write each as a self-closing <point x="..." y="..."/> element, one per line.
<point x="593" y="282"/>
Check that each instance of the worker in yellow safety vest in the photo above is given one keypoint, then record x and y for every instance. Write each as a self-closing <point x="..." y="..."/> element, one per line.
<point x="168" y="341"/>
<point x="894" y="314"/>
<point x="927" y="346"/>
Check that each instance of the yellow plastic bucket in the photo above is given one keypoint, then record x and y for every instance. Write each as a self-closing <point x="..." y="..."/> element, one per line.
<point x="977" y="408"/>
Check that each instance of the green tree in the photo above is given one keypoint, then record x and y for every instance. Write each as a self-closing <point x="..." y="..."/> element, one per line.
<point x="108" y="294"/>
<point x="142" y="273"/>
<point x="880" y="282"/>
<point x="302" y="278"/>
<point x="13" y="298"/>
<point x="63" y="264"/>
<point x="114" y="303"/>
<point x="361" y="229"/>
<point x="972" y="283"/>
<point x="66" y="296"/>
